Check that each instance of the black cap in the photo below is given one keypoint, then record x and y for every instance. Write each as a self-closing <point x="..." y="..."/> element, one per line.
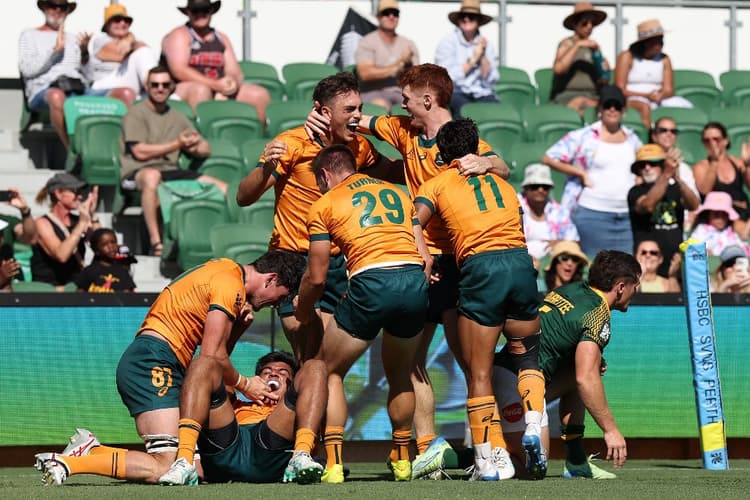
<point x="611" y="93"/>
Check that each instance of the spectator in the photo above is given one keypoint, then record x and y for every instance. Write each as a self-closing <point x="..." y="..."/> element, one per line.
<point x="105" y="274"/>
<point x="722" y="172"/>
<point x="545" y="221"/>
<point x="57" y="256"/>
<point x="153" y="137"/>
<point x="657" y="207"/>
<point x="650" y="257"/>
<point x="382" y="56"/>
<point x="119" y="62"/>
<point x="665" y="133"/>
<point x="22" y="230"/>
<point x="645" y="74"/>
<point x="566" y="265"/>
<point x="597" y="160"/>
<point x="49" y="60"/>
<point x="732" y="275"/>
<point x="712" y="223"/>
<point x="9" y="267"/>
<point x="469" y="58"/>
<point x="580" y="69"/>
<point x="203" y="62"/>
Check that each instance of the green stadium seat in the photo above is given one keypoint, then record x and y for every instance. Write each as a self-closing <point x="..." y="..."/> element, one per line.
<point x="543" y="79"/>
<point x="32" y="286"/>
<point x="97" y="140"/>
<point x="234" y="211"/>
<point x="222" y="168"/>
<point x="229" y="120"/>
<point x="189" y="222"/>
<point x="285" y="115"/>
<point x="515" y="87"/>
<point x="302" y="77"/>
<point x="266" y="76"/>
<point x="371" y="109"/>
<point x="548" y="123"/>
<point x="735" y="86"/>
<point x="78" y="106"/>
<point x="521" y="155"/>
<point x="222" y="148"/>
<point x="699" y="87"/>
<point x="495" y="116"/>
<point x="259" y="215"/>
<point x="237" y="241"/>
<point x="250" y="152"/>
<point x="511" y="74"/>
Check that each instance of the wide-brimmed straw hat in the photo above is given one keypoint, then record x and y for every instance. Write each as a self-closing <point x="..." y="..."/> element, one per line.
<point x="718" y="201"/>
<point x="200" y="4"/>
<point x="568" y="248"/>
<point x="387" y="4"/>
<point x="469" y="7"/>
<point x="115" y="10"/>
<point x="69" y="6"/>
<point x="649" y="29"/>
<point x="581" y="9"/>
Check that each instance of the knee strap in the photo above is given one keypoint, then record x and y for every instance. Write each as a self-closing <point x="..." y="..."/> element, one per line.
<point x="524" y="352"/>
<point x="160" y="443"/>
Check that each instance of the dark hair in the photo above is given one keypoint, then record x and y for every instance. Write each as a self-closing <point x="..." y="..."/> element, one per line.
<point x="335" y="85"/>
<point x="720" y="127"/>
<point x="652" y="132"/>
<point x="289" y="267"/>
<point x="610" y="266"/>
<point x="457" y="138"/>
<point x="549" y="277"/>
<point x="97" y="235"/>
<point x="429" y="77"/>
<point x="638" y="49"/>
<point x="275" y="356"/>
<point x="159" y="69"/>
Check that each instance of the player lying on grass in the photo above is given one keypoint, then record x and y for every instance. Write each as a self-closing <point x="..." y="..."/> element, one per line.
<point x="239" y="440"/>
<point x="575" y="330"/>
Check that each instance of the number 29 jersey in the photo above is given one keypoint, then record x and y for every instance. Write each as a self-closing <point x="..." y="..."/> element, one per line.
<point x="481" y="213"/>
<point x="371" y="221"/>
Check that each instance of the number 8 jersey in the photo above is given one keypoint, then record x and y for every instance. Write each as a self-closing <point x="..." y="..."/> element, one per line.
<point x="371" y="220"/>
<point x="480" y="213"/>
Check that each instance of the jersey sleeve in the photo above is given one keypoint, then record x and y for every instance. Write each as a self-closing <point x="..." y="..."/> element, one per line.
<point x="427" y="194"/>
<point x="595" y="326"/>
<point x="484" y="149"/>
<point x="227" y="294"/>
<point x="316" y="220"/>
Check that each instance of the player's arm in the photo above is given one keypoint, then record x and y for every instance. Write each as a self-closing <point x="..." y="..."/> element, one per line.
<point x="472" y="164"/>
<point x="588" y="361"/>
<point x="386" y="169"/>
<point x="314" y="280"/>
<point x="424" y="209"/>
<point x="254" y="184"/>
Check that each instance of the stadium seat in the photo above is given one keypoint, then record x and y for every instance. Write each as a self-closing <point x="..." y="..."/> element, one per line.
<point x="230" y="120"/>
<point x="369" y="108"/>
<point x="519" y="95"/>
<point x="97" y="140"/>
<point x="699" y="87"/>
<point x="222" y="148"/>
<point x="496" y="116"/>
<point x="549" y="122"/>
<point x="189" y="222"/>
<point x="77" y="106"/>
<point x="259" y="215"/>
<point x="266" y="76"/>
<point x="543" y="79"/>
<point x="510" y="74"/>
<point x="237" y="241"/>
<point x="520" y="155"/>
<point x="234" y="211"/>
<point x="250" y="152"/>
<point x="285" y="115"/>
<point x="33" y="286"/>
<point x="302" y="77"/>
<point x="503" y="139"/>
<point x="690" y="122"/>
<point x="384" y="148"/>
<point x="735" y="86"/>
<point x="222" y="168"/>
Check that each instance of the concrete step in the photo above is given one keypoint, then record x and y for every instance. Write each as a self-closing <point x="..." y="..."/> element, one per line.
<point x="147" y="276"/>
<point x="12" y="161"/>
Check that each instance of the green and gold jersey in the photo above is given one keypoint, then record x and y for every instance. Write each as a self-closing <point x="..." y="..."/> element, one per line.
<point x="571" y="314"/>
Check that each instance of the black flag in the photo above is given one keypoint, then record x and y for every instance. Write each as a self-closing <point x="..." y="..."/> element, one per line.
<point x="352" y="30"/>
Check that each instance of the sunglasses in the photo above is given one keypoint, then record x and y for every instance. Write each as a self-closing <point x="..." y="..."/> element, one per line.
<point x="566" y="258"/>
<point x="390" y="12"/>
<point x="617" y="105"/>
<point x="659" y="164"/>
<point x="470" y="17"/>
<point x="585" y="20"/>
<point x="119" y="19"/>
<point x="534" y="187"/>
<point x="663" y="130"/>
<point x="655" y="253"/>
<point x="706" y="140"/>
<point x="156" y="85"/>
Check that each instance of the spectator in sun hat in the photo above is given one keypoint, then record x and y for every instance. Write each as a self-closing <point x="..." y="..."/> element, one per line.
<point x="119" y="62"/>
<point x="580" y="68"/>
<point x="545" y="221"/>
<point x="203" y="62"/>
<point x="644" y="72"/>
<point x="471" y="60"/>
<point x="657" y="207"/>
<point x="566" y="264"/>
<point x="713" y="223"/>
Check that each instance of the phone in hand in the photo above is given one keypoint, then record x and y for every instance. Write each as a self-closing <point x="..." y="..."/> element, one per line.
<point x="6" y="195"/>
<point x="742" y="267"/>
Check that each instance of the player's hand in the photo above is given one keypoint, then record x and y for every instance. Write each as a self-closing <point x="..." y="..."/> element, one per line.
<point x="317" y="125"/>
<point x="617" y="450"/>
<point x="246" y="314"/>
<point x="472" y="164"/>
<point x="274" y="150"/>
<point x="257" y="389"/>
<point x="304" y="316"/>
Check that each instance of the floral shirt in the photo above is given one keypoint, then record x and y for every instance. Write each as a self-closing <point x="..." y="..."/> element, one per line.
<point x="717" y="240"/>
<point x="559" y="226"/>
<point x="578" y="148"/>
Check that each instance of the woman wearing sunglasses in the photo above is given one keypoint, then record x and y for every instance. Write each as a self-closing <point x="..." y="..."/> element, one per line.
<point x="566" y="265"/>
<point x="597" y="160"/>
<point x="650" y="258"/>
<point x="580" y="69"/>
<point x="720" y="171"/>
<point x="645" y="73"/>
<point x="119" y="62"/>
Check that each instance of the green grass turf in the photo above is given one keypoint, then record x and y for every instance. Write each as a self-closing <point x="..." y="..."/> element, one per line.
<point x="639" y="479"/>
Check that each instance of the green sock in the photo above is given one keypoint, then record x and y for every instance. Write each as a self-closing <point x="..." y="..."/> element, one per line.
<point x="572" y="435"/>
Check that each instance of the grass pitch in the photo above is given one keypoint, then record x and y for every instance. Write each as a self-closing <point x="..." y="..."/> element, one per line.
<point x="639" y="479"/>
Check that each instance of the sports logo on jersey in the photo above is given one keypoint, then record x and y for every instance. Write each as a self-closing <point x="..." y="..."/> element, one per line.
<point x="438" y="160"/>
<point x="238" y="301"/>
<point x="604" y="333"/>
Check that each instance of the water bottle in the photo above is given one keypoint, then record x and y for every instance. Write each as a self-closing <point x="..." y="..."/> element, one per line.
<point x="599" y="65"/>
